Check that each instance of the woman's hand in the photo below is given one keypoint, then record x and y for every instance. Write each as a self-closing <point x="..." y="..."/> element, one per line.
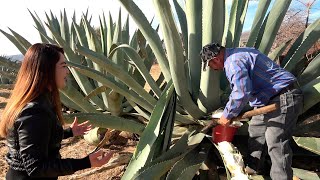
<point x="100" y="158"/>
<point x="80" y="129"/>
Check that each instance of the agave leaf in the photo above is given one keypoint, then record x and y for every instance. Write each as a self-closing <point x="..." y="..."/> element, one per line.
<point x="261" y="32"/>
<point x="25" y="43"/>
<point x="75" y="96"/>
<point x="97" y="91"/>
<point x="183" y="23"/>
<point x="237" y="16"/>
<point x="279" y="50"/>
<point x="134" y="40"/>
<point x="257" y="21"/>
<point x="113" y="69"/>
<point x="39" y="26"/>
<point x="163" y="141"/>
<point x="73" y="34"/>
<point x="176" y="150"/>
<point x="194" y="44"/>
<point x="155" y="151"/>
<point x="109" y="33"/>
<point x="125" y="31"/>
<point x="94" y="44"/>
<point x="311" y="93"/>
<point x="118" y="56"/>
<point x="107" y="121"/>
<point x="302" y="45"/>
<point x="153" y="126"/>
<point x="82" y="81"/>
<point x="185" y="119"/>
<point x="149" y="135"/>
<point x="54" y="22"/>
<point x="175" y="55"/>
<point x="134" y="56"/>
<point x="142" y="113"/>
<point x="213" y="16"/>
<point x="103" y="34"/>
<point x="186" y="167"/>
<point x="273" y="23"/>
<point x="109" y="82"/>
<point x="158" y="170"/>
<point x="92" y="38"/>
<point x="310" y="143"/>
<point x="14" y="41"/>
<point x="69" y="103"/>
<point x="299" y="68"/>
<point x="82" y="38"/>
<point x="304" y="174"/>
<point x="311" y="72"/>
<point x="213" y="22"/>
<point x="142" y="51"/>
<point x="308" y="127"/>
<point x="64" y="28"/>
<point x="170" y="118"/>
<point x="48" y="39"/>
<point x="162" y="164"/>
<point x="81" y="34"/>
<point x="150" y="34"/>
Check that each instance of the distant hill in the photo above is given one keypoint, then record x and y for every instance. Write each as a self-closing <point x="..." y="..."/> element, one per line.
<point x="18" y="57"/>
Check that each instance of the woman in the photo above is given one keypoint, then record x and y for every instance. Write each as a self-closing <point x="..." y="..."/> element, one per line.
<point x="32" y="120"/>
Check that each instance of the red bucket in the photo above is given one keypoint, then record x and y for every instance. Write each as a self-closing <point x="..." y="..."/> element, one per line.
<point x="223" y="133"/>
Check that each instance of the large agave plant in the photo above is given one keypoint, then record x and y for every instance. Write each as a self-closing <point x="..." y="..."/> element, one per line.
<point x="109" y="73"/>
<point x="206" y="21"/>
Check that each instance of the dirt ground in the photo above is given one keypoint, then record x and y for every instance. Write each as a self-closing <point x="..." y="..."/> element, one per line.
<point x="124" y="146"/>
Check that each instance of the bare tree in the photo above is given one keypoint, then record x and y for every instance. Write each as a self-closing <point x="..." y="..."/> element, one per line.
<point x="308" y="5"/>
<point x="295" y="22"/>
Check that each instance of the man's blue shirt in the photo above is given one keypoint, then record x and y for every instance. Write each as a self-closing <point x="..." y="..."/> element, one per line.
<point x="253" y="78"/>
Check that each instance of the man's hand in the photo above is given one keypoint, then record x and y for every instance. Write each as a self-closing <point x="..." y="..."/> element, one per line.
<point x="224" y="121"/>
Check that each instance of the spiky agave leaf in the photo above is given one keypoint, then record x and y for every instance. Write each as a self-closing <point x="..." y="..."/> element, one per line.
<point x="107" y="121"/>
<point x="311" y="72"/>
<point x="309" y="143"/>
<point x="150" y="134"/>
<point x="311" y="93"/>
<point x="302" y="44"/>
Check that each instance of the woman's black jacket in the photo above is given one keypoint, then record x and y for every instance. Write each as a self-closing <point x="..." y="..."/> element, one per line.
<point x="35" y="140"/>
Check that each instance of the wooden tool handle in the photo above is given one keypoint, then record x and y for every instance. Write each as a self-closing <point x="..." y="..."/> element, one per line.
<point x="255" y="112"/>
<point x="258" y="111"/>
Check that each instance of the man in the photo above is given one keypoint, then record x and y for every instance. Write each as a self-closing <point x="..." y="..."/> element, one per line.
<point x="256" y="79"/>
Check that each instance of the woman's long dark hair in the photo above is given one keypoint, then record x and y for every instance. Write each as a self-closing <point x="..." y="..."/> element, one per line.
<point x="36" y="76"/>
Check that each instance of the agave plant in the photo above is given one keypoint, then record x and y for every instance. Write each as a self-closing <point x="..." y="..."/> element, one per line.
<point x="203" y="22"/>
<point x="8" y="70"/>
<point x="109" y="72"/>
<point x="99" y="99"/>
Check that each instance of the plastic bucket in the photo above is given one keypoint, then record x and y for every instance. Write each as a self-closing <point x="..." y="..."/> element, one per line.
<point x="223" y="133"/>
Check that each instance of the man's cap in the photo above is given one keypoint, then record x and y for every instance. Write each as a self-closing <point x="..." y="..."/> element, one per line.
<point x="208" y="52"/>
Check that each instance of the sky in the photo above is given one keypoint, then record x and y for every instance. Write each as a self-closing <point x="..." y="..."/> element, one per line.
<point x="15" y="15"/>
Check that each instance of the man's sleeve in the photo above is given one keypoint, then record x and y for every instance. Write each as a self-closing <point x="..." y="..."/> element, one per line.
<point x="241" y="85"/>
